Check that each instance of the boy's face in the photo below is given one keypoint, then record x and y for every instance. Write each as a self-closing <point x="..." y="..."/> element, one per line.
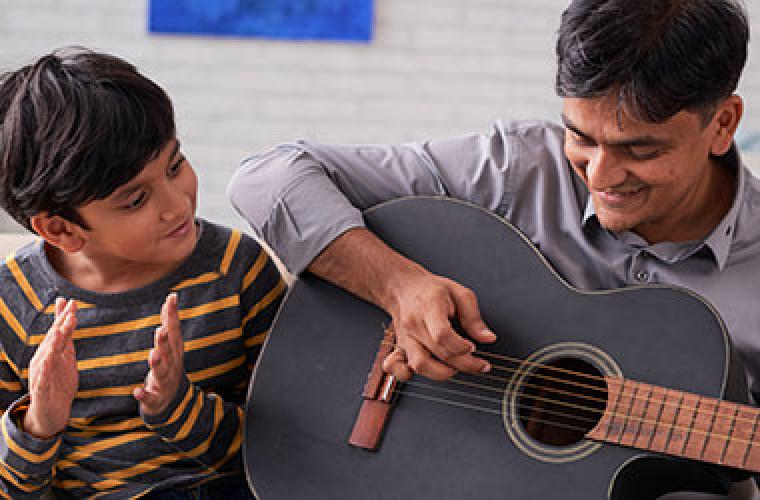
<point x="149" y="220"/>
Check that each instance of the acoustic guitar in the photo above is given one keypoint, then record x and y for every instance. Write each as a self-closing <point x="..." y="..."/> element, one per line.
<point x="620" y="394"/>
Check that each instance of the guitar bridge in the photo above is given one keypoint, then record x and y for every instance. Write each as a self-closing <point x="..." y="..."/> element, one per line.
<point x="378" y="394"/>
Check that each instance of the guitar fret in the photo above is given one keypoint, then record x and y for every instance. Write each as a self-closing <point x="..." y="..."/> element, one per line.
<point x="752" y="456"/>
<point x="675" y="436"/>
<point x="660" y="398"/>
<point x="711" y="437"/>
<point x="631" y="420"/>
<point x="647" y="426"/>
<point x="615" y="426"/>
<point x="730" y="433"/>
<point x="741" y="438"/>
<point x="665" y="424"/>
<point x="693" y="442"/>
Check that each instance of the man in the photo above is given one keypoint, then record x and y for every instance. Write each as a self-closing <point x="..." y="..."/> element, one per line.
<point x="642" y="183"/>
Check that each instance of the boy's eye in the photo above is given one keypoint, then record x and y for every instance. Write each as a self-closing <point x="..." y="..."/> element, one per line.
<point x="176" y="166"/>
<point x="137" y="200"/>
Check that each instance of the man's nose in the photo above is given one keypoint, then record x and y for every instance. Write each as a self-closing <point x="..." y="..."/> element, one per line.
<point x="603" y="170"/>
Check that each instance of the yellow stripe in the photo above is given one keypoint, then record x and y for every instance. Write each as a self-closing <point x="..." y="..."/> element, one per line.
<point x="199" y="280"/>
<point x="124" y="390"/>
<point x="5" y="495"/>
<point x="80" y="305"/>
<point x="147" y="321"/>
<point x="10" y="261"/>
<point x="69" y="484"/>
<point x="124" y="425"/>
<point x="256" y="268"/>
<point x="26" y="455"/>
<point x="216" y="370"/>
<point x="116" y="359"/>
<point x="274" y="294"/>
<point x="12" y="321"/>
<point x="10" y="386"/>
<point x="5" y="359"/>
<point x="257" y="339"/>
<point x="230" y="252"/>
<point x="90" y="449"/>
<point x="192" y="418"/>
<point x="217" y="338"/>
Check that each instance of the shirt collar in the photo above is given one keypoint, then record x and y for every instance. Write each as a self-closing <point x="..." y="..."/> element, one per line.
<point x="719" y="240"/>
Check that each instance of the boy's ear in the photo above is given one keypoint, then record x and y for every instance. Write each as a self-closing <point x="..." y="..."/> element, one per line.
<point x="726" y="120"/>
<point x="57" y="231"/>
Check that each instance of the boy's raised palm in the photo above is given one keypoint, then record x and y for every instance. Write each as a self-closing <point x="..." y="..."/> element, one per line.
<point x="53" y="375"/>
<point x="165" y="361"/>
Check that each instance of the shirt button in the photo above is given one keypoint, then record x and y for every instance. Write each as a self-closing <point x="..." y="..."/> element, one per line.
<point x="642" y="276"/>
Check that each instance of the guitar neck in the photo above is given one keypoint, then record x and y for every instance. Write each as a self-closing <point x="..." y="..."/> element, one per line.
<point x="680" y="424"/>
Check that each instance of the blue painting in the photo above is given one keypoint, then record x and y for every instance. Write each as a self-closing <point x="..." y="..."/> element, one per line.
<point x="349" y="20"/>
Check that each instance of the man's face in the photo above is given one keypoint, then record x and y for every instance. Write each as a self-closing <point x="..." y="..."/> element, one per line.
<point x="657" y="180"/>
<point x="149" y="221"/>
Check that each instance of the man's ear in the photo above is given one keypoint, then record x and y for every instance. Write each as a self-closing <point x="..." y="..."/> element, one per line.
<point x="724" y="123"/>
<point x="57" y="231"/>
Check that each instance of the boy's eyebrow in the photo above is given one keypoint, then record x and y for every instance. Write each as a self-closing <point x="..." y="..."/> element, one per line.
<point x="644" y="140"/>
<point x="125" y="191"/>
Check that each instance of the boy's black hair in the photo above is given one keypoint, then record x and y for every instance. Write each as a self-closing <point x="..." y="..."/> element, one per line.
<point x="74" y="126"/>
<point x="659" y="56"/>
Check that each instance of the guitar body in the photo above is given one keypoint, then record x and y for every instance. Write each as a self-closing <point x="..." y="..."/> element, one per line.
<point x="307" y="387"/>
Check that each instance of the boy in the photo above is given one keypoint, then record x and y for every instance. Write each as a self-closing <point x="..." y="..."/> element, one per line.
<point x="132" y="385"/>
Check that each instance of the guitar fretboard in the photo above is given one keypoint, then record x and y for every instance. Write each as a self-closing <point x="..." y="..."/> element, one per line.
<point x="680" y="424"/>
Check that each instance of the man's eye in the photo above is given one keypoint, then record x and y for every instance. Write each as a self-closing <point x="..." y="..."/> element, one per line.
<point x="643" y="152"/>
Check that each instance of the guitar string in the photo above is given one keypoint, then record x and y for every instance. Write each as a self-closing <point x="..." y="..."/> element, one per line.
<point x="634" y="396"/>
<point x="625" y="416"/>
<point x="640" y="420"/>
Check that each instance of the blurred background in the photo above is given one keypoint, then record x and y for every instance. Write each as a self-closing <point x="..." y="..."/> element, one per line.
<point x="430" y="68"/>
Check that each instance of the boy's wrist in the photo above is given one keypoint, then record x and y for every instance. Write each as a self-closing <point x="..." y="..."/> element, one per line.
<point x="36" y="423"/>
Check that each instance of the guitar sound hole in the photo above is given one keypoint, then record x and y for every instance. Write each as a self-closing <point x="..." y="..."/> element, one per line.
<point x="561" y="401"/>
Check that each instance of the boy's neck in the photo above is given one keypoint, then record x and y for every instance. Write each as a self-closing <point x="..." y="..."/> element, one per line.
<point x="96" y="275"/>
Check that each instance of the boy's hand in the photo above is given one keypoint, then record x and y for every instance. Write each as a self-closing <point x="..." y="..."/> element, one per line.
<point x="165" y="361"/>
<point x="53" y="375"/>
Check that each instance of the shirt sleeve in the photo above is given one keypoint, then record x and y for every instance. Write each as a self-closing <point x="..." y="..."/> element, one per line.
<point x="299" y="197"/>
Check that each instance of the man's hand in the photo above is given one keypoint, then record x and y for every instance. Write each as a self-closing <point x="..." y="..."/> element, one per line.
<point x="422" y="306"/>
<point x="53" y="375"/>
<point x="165" y="361"/>
<point x="427" y="344"/>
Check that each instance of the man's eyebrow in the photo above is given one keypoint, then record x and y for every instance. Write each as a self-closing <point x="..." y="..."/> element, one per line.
<point x="644" y="140"/>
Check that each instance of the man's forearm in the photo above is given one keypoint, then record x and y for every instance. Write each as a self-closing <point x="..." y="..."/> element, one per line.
<point x="361" y="263"/>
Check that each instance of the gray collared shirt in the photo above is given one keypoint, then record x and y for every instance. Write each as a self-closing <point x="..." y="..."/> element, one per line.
<point x="299" y="197"/>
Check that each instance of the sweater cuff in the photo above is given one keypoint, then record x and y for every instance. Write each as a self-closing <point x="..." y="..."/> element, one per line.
<point x="21" y="451"/>
<point x="173" y="413"/>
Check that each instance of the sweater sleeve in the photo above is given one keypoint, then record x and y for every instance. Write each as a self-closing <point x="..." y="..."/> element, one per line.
<point x="201" y="423"/>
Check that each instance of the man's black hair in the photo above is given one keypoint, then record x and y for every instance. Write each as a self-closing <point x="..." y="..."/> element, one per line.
<point x="74" y="126"/>
<point x="658" y="57"/>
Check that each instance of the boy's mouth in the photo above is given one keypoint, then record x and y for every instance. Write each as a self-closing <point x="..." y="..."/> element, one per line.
<point x="181" y="230"/>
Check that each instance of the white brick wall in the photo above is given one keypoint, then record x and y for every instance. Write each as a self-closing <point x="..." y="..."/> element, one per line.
<point x="435" y="67"/>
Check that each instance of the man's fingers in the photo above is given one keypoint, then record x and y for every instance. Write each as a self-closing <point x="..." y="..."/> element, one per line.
<point x="468" y="314"/>
<point x="444" y="342"/>
<point x="421" y="361"/>
<point x="395" y="364"/>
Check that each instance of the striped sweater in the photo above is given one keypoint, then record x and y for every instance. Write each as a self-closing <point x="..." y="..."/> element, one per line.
<point x="228" y="289"/>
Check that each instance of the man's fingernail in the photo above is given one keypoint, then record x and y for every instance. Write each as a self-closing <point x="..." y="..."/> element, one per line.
<point x="489" y="334"/>
<point x="485" y="368"/>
